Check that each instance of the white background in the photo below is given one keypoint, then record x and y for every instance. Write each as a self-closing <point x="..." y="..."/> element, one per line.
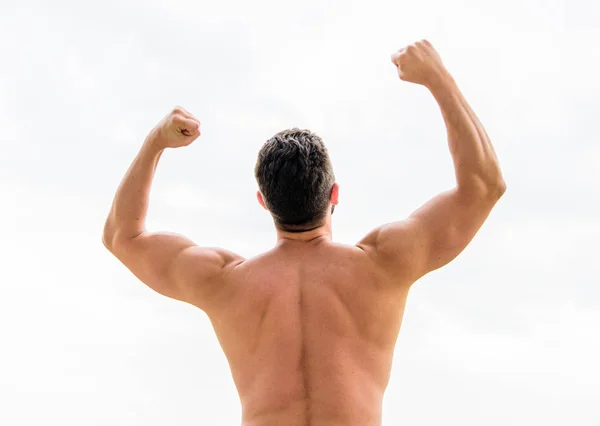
<point x="508" y="334"/>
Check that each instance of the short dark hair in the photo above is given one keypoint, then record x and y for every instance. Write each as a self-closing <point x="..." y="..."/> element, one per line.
<point x="295" y="176"/>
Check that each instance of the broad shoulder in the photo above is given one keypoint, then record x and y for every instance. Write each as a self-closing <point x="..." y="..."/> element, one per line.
<point x="322" y="261"/>
<point x="392" y="248"/>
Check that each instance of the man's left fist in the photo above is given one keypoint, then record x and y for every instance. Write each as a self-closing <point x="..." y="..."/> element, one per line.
<point x="178" y="128"/>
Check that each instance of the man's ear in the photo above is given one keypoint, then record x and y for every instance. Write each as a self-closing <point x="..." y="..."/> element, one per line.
<point x="335" y="192"/>
<point x="260" y="199"/>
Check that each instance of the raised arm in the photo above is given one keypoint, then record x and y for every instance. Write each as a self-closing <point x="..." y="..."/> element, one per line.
<point x="441" y="229"/>
<point x="168" y="263"/>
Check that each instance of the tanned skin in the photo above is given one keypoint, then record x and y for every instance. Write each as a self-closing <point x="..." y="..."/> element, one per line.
<point x="309" y="327"/>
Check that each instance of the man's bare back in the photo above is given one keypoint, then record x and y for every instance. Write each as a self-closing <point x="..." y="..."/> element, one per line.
<point x="309" y="330"/>
<point x="309" y="327"/>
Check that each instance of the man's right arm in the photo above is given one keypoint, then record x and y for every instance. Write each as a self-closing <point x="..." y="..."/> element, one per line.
<point x="441" y="229"/>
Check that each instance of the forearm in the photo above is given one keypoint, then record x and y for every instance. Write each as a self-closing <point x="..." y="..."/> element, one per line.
<point x="475" y="161"/>
<point x="127" y="216"/>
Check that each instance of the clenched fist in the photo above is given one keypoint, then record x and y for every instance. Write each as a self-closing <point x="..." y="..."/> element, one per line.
<point x="178" y="128"/>
<point x="419" y="63"/>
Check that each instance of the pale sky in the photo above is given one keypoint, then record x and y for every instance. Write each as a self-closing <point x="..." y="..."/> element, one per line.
<point x="508" y="334"/>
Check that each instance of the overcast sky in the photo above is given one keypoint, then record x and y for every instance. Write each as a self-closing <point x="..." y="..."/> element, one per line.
<point x="505" y="335"/>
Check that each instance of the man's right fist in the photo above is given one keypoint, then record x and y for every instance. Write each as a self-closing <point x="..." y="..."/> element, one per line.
<point x="178" y="128"/>
<point x="419" y="63"/>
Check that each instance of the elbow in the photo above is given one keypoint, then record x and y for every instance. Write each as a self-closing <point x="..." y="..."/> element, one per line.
<point x="493" y="190"/>
<point x="108" y="236"/>
<point x="115" y="237"/>
<point x="488" y="188"/>
<point x="107" y="241"/>
<point x="497" y="187"/>
<point x="501" y="188"/>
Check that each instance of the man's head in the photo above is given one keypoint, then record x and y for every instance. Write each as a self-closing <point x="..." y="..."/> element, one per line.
<point x="296" y="179"/>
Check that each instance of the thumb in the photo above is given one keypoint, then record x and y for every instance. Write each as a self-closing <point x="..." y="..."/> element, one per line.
<point x="187" y="126"/>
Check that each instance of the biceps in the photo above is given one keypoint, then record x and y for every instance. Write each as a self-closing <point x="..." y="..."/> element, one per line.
<point x="158" y="260"/>
<point x="444" y="227"/>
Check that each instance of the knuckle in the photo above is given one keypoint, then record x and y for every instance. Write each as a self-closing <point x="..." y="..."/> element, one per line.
<point x="177" y="110"/>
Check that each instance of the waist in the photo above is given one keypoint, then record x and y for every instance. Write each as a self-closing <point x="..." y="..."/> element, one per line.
<point x="342" y="408"/>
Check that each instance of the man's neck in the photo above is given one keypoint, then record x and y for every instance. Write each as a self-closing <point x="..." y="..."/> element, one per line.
<point x="323" y="232"/>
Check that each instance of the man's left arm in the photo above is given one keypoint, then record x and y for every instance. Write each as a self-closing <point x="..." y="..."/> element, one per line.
<point x="170" y="264"/>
